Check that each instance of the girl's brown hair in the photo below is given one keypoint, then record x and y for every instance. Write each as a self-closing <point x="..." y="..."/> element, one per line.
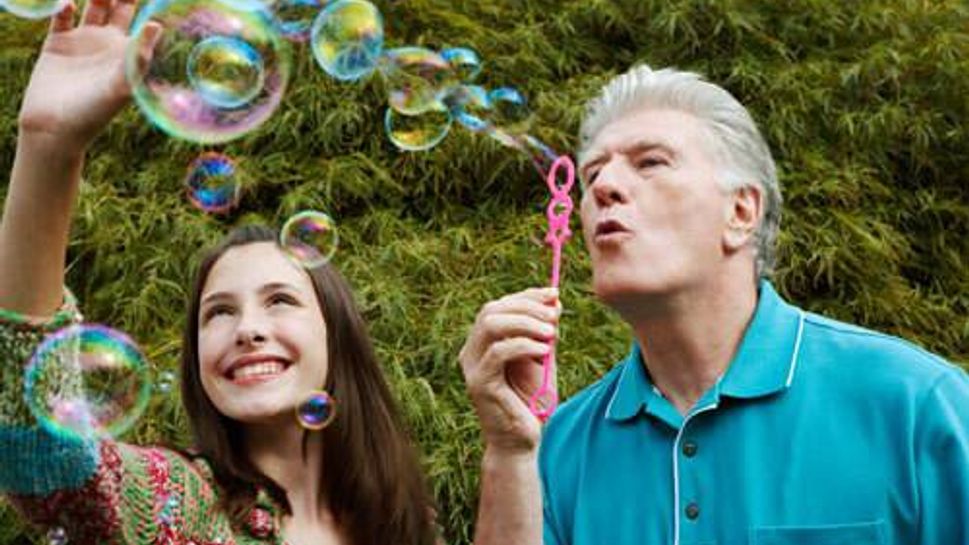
<point x="371" y="475"/>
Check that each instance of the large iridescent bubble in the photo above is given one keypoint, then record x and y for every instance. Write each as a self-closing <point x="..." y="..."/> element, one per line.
<point x="216" y="72"/>
<point x="347" y="39"/>
<point x="87" y="381"/>
<point x="33" y="9"/>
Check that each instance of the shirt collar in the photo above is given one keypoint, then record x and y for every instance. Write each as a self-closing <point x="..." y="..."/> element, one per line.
<point x="764" y="364"/>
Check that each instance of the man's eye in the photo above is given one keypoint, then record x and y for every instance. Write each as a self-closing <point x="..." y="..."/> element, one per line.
<point x="649" y="162"/>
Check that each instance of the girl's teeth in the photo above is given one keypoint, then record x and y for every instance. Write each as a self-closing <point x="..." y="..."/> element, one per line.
<point x="259" y="369"/>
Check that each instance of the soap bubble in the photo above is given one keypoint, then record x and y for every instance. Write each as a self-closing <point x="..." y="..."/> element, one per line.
<point x="294" y="18"/>
<point x="56" y="536"/>
<point x="511" y="112"/>
<point x="212" y="183"/>
<point x="217" y="70"/>
<point x="417" y="78"/>
<point x="464" y="61"/>
<point x="317" y="411"/>
<point x="87" y="380"/>
<point x="166" y="382"/>
<point x="347" y="39"/>
<point x="471" y="106"/>
<point x="309" y="237"/>
<point x="417" y="132"/>
<point x="227" y="72"/>
<point x="33" y="9"/>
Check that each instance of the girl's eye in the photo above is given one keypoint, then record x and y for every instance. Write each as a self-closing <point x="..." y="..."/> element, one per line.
<point x="216" y="311"/>
<point x="282" y="298"/>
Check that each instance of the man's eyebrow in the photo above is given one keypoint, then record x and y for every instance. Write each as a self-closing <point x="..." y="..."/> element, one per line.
<point x="270" y="286"/>
<point x="637" y="146"/>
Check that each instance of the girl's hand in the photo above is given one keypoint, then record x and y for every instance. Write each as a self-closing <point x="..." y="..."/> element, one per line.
<point x="78" y="83"/>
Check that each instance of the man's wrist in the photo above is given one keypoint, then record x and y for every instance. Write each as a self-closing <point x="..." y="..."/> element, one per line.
<point x="509" y="459"/>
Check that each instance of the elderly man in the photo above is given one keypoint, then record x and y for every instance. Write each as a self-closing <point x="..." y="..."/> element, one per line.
<point x="736" y="418"/>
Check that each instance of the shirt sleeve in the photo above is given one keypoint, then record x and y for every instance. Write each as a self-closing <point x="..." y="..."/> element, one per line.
<point x="942" y="461"/>
<point x="98" y="491"/>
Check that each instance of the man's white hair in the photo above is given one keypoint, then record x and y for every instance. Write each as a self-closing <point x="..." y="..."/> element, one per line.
<point x="745" y="157"/>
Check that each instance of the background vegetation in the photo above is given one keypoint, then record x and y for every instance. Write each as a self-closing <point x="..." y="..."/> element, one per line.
<point x="865" y="104"/>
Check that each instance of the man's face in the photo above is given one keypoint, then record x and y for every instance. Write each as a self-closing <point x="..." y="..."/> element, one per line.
<point x="653" y="212"/>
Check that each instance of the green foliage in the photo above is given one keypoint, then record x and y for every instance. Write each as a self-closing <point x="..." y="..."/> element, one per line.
<point x="865" y="104"/>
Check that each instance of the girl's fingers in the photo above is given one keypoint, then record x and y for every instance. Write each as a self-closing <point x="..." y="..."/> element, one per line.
<point x="122" y="14"/>
<point x="63" y="20"/>
<point x="96" y="12"/>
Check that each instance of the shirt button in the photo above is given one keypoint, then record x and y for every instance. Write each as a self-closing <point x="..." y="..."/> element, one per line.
<point x="692" y="511"/>
<point x="689" y="449"/>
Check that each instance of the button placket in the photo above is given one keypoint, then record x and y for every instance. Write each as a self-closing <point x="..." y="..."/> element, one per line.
<point x="688" y="509"/>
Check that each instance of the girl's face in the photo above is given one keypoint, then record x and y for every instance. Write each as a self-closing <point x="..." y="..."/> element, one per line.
<point x="261" y="337"/>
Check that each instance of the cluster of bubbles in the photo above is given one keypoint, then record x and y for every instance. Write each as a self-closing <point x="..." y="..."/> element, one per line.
<point x="211" y="71"/>
<point x="427" y="90"/>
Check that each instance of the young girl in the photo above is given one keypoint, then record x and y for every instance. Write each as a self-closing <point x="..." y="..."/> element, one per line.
<point x="262" y="335"/>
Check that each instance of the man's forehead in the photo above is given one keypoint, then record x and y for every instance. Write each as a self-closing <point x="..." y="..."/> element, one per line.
<point x="650" y="128"/>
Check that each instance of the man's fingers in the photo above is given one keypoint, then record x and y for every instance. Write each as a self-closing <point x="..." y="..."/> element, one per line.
<point x="501" y="353"/>
<point x="542" y="295"/>
<point x="64" y="19"/>
<point x="518" y="304"/>
<point x="502" y="326"/>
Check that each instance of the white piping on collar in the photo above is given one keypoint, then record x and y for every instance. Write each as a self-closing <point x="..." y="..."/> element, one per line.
<point x="797" y="350"/>
<point x="616" y="393"/>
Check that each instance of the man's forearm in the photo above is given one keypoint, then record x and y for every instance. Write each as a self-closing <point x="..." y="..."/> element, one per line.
<point x="511" y="500"/>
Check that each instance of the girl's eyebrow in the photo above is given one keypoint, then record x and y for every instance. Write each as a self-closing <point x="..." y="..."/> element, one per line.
<point x="268" y="287"/>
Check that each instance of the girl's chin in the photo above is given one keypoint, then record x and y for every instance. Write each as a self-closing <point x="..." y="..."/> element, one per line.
<point x="262" y="415"/>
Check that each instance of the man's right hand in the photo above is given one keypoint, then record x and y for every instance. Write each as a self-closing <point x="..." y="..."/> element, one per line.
<point x="78" y="83"/>
<point x="502" y="364"/>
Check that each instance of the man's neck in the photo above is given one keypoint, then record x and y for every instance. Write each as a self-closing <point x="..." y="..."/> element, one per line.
<point x="689" y="339"/>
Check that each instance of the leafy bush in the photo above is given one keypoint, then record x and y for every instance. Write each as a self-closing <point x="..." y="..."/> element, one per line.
<point x="864" y="104"/>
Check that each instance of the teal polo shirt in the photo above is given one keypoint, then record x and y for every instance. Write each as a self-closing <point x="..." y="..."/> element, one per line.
<point x="818" y="433"/>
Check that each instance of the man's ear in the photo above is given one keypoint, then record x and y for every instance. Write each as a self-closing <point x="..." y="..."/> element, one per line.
<point x="743" y="216"/>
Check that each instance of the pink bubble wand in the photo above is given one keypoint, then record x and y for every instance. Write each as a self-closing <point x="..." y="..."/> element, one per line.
<point x="544" y="401"/>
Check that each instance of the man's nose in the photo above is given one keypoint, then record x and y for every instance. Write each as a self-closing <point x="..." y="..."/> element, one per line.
<point x="609" y="186"/>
